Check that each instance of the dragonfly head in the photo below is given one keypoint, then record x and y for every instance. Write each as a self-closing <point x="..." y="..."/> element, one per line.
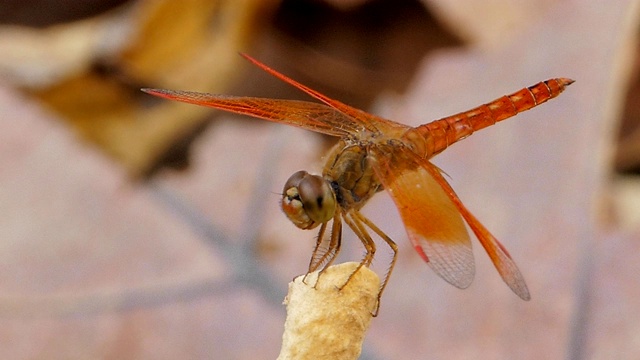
<point x="308" y="200"/>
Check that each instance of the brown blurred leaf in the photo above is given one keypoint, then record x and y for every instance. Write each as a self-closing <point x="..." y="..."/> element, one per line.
<point x="189" y="44"/>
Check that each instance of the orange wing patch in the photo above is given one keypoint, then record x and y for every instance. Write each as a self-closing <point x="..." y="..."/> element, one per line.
<point x="433" y="222"/>
<point x="501" y="259"/>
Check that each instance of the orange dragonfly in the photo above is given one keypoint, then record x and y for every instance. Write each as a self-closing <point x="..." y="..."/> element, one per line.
<point x="373" y="154"/>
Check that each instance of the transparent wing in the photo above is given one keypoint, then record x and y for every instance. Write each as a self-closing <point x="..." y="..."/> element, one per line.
<point x="432" y="221"/>
<point x="363" y="119"/>
<point x="332" y="118"/>
<point x="307" y="115"/>
<point x="500" y="257"/>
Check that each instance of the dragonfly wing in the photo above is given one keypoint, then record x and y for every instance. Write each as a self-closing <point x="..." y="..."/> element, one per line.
<point x="307" y="115"/>
<point x="332" y="118"/>
<point x="432" y="221"/>
<point x="365" y="120"/>
<point x="499" y="255"/>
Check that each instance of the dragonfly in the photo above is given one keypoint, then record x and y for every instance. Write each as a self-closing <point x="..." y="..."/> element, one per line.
<point x="373" y="154"/>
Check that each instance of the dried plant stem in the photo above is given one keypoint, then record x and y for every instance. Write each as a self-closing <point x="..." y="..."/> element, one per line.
<point x="324" y="321"/>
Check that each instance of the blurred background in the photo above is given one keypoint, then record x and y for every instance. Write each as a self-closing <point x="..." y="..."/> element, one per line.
<point x="137" y="228"/>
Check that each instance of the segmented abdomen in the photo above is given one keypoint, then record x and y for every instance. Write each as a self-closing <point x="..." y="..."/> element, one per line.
<point x="441" y="133"/>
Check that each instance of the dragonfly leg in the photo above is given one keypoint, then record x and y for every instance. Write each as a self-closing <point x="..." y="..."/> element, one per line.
<point x="332" y="250"/>
<point x="393" y="247"/>
<point x="317" y="260"/>
<point x="353" y="219"/>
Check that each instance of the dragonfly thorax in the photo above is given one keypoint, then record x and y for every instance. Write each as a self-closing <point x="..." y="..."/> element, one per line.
<point x="350" y="174"/>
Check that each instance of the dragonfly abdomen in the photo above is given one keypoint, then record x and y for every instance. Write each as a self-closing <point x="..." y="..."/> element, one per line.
<point x="441" y="133"/>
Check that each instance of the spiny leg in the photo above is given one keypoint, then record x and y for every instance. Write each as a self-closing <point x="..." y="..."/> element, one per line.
<point x="316" y="260"/>
<point x="335" y="243"/>
<point x="370" y="247"/>
<point x="393" y="247"/>
<point x="332" y="251"/>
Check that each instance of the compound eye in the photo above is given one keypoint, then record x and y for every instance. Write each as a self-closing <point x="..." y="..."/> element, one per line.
<point x="294" y="180"/>
<point x="308" y="200"/>
<point x="317" y="198"/>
